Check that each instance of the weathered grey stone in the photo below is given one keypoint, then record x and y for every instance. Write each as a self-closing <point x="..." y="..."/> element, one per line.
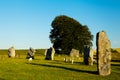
<point x="91" y="53"/>
<point x="86" y="54"/>
<point x="53" y="52"/>
<point x="73" y="54"/>
<point x="11" y="52"/>
<point x="49" y="53"/>
<point x="103" y="53"/>
<point x="31" y="53"/>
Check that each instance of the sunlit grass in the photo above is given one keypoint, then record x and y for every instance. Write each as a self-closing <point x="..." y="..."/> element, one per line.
<point x="19" y="68"/>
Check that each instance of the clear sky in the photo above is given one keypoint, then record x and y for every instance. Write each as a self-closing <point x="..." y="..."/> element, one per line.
<point x="27" y="23"/>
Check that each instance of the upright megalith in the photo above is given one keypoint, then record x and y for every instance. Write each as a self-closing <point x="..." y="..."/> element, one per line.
<point x="91" y="54"/>
<point x="74" y="53"/>
<point x="103" y="53"/>
<point x="49" y="53"/>
<point x="31" y="53"/>
<point x="88" y="55"/>
<point x="11" y="52"/>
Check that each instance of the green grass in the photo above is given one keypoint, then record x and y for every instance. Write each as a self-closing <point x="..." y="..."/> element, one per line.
<point x="20" y="68"/>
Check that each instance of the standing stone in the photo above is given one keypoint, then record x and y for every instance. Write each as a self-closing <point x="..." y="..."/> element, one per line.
<point x="50" y="54"/>
<point x="86" y="54"/>
<point x="53" y="52"/>
<point x="31" y="53"/>
<point x="11" y="52"/>
<point x="103" y="54"/>
<point x="91" y="56"/>
<point x="74" y="53"/>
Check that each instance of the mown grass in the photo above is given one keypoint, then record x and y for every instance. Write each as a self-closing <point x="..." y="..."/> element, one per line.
<point x="20" y="68"/>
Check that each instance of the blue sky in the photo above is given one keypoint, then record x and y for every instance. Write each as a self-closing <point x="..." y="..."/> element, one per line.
<point x="27" y="23"/>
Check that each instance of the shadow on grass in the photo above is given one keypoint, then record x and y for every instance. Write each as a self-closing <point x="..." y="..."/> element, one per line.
<point x="61" y="62"/>
<point x="115" y="60"/>
<point x="115" y="64"/>
<point x="62" y="67"/>
<point x="2" y="79"/>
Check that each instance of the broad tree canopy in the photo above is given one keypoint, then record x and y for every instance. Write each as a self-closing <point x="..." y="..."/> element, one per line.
<point x="67" y="33"/>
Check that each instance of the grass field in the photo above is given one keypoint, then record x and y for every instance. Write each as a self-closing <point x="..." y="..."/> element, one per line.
<point x="20" y="68"/>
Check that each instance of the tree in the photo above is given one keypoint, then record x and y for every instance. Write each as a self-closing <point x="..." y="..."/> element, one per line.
<point x="67" y="33"/>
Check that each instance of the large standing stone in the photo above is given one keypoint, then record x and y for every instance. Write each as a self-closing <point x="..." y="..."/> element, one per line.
<point x="49" y="53"/>
<point x="31" y="53"/>
<point x="103" y="53"/>
<point x="11" y="52"/>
